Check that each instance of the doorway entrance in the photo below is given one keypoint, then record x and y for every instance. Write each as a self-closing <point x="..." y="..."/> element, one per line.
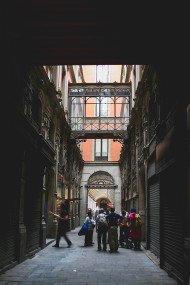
<point x="101" y="191"/>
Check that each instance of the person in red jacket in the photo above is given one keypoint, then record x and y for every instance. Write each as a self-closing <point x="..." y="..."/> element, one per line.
<point x="136" y="228"/>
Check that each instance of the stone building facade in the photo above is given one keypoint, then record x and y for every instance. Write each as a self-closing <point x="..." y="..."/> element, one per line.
<point x="154" y="169"/>
<point x="47" y="165"/>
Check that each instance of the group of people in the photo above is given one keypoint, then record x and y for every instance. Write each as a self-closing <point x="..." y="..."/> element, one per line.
<point x="106" y="224"/>
<point x="130" y="229"/>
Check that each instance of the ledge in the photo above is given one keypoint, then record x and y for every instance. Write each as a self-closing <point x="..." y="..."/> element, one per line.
<point x="109" y="163"/>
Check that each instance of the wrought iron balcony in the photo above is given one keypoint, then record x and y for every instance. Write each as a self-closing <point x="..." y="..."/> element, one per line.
<point x="99" y="109"/>
<point x="81" y="126"/>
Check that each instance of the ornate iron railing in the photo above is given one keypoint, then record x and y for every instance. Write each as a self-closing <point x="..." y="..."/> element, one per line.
<point x="99" y="108"/>
<point x="96" y="124"/>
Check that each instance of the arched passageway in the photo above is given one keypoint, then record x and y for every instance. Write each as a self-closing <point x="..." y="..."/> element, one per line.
<point x="101" y="193"/>
<point x="100" y="187"/>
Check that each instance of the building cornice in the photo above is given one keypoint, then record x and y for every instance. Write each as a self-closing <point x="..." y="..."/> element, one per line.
<point x="103" y="163"/>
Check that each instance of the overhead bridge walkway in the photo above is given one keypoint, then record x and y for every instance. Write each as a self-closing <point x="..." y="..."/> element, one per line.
<point x="99" y="110"/>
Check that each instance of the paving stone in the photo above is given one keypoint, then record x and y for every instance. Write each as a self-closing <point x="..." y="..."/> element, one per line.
<point x="81" y="265"/>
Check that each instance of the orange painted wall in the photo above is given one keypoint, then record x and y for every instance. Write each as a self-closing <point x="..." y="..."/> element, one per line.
<point x="115" y="151"/>
<point x="87" y="150"/>
<point x="90" y="108"/>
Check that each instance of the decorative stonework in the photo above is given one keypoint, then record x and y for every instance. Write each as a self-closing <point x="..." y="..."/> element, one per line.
<point x="101" y="177"/>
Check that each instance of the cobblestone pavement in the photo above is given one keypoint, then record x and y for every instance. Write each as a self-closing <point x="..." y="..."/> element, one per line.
<point x="86" y="266"/>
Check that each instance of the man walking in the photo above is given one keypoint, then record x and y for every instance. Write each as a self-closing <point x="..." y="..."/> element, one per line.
<point x="113" y="220"/>
<point x="62" y="225"/>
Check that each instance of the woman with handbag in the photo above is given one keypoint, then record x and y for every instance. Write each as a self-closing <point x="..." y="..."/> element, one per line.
<point x="89" y="221"/>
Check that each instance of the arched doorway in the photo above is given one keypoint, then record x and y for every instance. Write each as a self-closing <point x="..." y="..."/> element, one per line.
<point x="101" y="190"/>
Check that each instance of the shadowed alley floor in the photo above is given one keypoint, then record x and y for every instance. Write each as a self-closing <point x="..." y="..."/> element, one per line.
<point x="86" y="266"/>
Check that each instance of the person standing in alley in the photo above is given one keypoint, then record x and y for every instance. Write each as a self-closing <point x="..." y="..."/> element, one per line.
<point x="124" y="229"/>
<point x="113" y="220"/>
<point x="136" y="228"/>
<point x="89" y="221"/>
<point x="101" y="229"/>
<point x="62" y="225"/>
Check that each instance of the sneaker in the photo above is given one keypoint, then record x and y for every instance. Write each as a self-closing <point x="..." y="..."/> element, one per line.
<point x="55" y="245"/>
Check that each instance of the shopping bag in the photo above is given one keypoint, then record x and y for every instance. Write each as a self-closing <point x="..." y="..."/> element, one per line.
<point x="83" y="230"/>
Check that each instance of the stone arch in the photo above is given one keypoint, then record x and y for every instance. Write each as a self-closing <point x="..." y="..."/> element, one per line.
<point x="101" y="177"/>
<point x="101" y="186"/>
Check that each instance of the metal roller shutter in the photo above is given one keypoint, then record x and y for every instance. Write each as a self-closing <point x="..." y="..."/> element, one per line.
<point x="33" y="211"/>
<point x="8" y="245"/>
<point x="154" y="218"/>
<point x="33" y="229"/>
<point x="172" y="228"/>
<point x="9" y="228"/>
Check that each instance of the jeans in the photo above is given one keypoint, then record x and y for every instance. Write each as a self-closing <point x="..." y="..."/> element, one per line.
<point x="102" y="233"/>
<point x="61" y="232"/>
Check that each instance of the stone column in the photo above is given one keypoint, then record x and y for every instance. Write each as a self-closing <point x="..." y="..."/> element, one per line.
<point x="187" y="239"/>
<point x="145" y="150"/>
<point x="43" y="222"/>
<point x="62" y="191"/>
<point x="137" y="172"/>
<point x="22" y="227"/>
<point x="69" y="210"/>
<point x="83" y="203"/>
<point x="52" y="204"/>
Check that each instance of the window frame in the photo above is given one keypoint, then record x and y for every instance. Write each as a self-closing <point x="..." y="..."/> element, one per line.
<point x="101" y="157"/>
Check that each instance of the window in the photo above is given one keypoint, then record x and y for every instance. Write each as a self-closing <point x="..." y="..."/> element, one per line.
<point x="102" y="103"/>
<point x="101" y="149"/>
<point x="102" y="73"/>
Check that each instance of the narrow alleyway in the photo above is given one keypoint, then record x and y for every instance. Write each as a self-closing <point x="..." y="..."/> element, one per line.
<point x="85" y="265"/>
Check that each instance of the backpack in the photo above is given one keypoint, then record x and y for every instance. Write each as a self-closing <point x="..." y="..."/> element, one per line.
<point x="136" y="221"/>
<point x="102" y="223"/>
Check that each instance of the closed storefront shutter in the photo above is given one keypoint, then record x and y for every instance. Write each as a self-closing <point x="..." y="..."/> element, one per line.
<point x="172" y="226"/>
<point x="9" y="227"/>
<point x="32" y="215"/>
<point x="8" y="242"/>
<point x="33" y="227"/>
<point x="154" y="218"/>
